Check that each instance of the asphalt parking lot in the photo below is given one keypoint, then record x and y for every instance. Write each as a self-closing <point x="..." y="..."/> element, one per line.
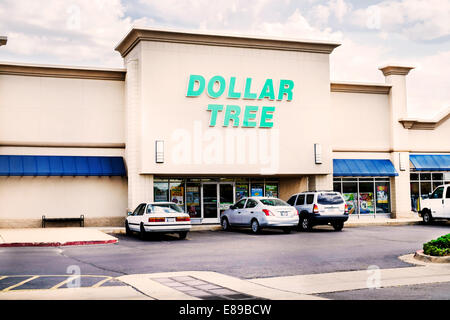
<point x="432" y="291"/>
<point x="237" y="253"/>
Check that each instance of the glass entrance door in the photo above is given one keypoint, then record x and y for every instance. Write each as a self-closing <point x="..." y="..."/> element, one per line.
<point x="210" y="203"/>
<point x="216" y="198"/>
<point x="226" y="196"/>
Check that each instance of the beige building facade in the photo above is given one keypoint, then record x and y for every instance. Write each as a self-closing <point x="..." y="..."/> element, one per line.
<point x="203" y="120"/>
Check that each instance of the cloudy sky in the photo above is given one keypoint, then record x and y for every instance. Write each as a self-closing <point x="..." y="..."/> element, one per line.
<point x="372" y="33"/>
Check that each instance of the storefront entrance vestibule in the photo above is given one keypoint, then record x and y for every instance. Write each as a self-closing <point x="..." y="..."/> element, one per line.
<point x="204" y="199"/>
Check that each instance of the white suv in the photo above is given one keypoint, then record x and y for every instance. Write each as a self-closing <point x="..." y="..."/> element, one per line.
<point x="319" y="208"/>
<point x="437" y="206"/>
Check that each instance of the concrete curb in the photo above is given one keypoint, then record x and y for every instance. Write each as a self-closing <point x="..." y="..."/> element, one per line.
<point x="353" y="224"/>
<point x="56" y="244"/>
<point x="419" y="255"/>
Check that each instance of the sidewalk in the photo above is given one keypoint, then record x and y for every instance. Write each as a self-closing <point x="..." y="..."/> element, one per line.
<point x="52" y="237"/>
<point x="206" y="285"/>
<point x="354" y="280"/>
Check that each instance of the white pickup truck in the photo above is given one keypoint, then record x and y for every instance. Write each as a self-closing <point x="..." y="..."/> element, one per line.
<point x="437" y="206"/>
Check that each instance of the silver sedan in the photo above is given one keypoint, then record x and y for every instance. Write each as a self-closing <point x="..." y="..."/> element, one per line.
<point x="260" y="212"/>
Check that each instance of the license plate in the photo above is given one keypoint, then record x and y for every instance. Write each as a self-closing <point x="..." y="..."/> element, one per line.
<point x="284" y="213"/>
<point x="170" y="219"/>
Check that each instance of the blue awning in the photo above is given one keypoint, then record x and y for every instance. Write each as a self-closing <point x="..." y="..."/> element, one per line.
<point x="363" y="168"/>
<point x="430" y="162"/>
<point x="61" y="166"/>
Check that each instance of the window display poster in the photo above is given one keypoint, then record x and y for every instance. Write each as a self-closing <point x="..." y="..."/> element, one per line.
<point x="382" y="195"/>
<point x="350" y="200"/>
<point x="272" y="190"/>
<point x="241" y="191"/>
<point x="176" y="195"/>
<point x="366" y="202"/>
<point x="257" y="191"/>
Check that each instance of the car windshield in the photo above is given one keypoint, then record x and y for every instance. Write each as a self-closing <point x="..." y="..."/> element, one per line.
<point x="329" y="198"/>
<point x="164" y="208"/>
<point x="273" y="202"/>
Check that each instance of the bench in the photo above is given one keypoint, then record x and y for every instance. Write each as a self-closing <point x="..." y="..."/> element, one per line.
<point x="80" y="219"/>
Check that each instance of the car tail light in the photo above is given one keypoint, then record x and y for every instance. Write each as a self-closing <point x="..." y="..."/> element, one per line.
<point x="156" y="219"/>
<point x="316" y="209"/>
<point x="183" y="219"/>
<point x="267" y="212"/>
<point x="296" y="212"/>
<point x="346" y="208"/>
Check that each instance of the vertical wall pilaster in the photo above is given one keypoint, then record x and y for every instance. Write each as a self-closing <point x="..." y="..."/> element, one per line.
<point x="399" y="140"/>
<point x="140" y="187"/>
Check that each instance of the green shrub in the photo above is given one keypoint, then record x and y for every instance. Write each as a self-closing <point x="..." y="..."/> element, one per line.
<point x="438" y="247"/>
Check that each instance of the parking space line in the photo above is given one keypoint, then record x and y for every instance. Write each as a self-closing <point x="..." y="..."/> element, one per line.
<point x="3" y="277"/>
<point x="20" y="283"/>
<point x="71" y="278"/>
<point x="98" y="284"/>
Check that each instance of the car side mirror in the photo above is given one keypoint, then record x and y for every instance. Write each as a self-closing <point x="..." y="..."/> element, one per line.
<point x="232" y="207"/>
<point x="129" y="213"/>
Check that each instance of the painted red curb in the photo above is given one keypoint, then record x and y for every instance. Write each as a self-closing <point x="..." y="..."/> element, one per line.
<point x="56" y="244"/>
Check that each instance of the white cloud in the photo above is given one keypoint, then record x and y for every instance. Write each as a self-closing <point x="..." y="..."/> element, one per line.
<point x="339" y="8"/>
<point x="297" y="26"/>
<point x="80" y="31"/>
<point x="319" y="15"/>
<point x="416" y="19"/>
<point x="428" y="85"/>
<point x="84" y="32"/>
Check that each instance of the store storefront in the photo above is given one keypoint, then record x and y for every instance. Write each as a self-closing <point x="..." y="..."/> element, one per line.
<point x="427" y="173"/>
<point x="365" y="196"/>
<point x="205" y="198"/>
<point x="204" y="120"/>
<point x="365" y="185"/>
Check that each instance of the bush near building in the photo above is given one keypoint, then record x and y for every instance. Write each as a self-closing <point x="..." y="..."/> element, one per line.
<point x="438" y="247"/>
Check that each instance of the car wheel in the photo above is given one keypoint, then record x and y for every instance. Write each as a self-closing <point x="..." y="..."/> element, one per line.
<point x="142" y="233"/>
<point x="225" y="224"/>
<point x="127" y="229"/>
<point x="427" y="218"/>
<point x="182" y="235"/>
<point x="255" y="226"/>
<point x="338" y="226"/>
<point x="287" y="230"/>
<point x="304" y="223"/>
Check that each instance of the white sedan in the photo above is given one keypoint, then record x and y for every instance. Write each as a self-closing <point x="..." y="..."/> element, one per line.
<point x="260" y="212"/>
<point x="163" y="217"/>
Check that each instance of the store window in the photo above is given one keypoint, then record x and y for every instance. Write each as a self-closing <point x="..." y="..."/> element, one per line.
<point x="241" y="189"/>
<point x="161" y="190"/>
<point x="177" y="192"/>
<point x="271" y="189"/>
<point x="422" y="185"/>
<point x="365" y="196"/>
<point x="257" y="189"/>
<point x="382" y="197"/>
<point x="193" y="205"/>
<point x="350" y="194"/>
